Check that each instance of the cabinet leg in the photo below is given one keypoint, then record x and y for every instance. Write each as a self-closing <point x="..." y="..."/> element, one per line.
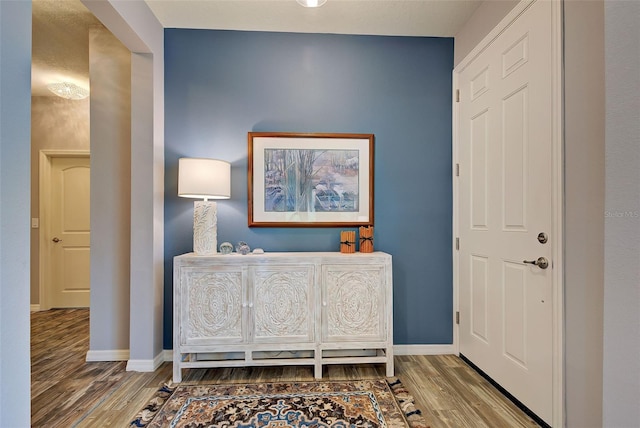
<point x="390" y="371"/>
<point x="318" y="370"/>
<point x="177" y="372"/>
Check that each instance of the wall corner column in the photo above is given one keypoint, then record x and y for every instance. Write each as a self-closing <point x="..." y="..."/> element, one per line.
<point x="15" y="148"/>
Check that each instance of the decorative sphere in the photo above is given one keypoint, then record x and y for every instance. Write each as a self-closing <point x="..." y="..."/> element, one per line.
<point x="226" y="248"/>
<point x="243" y="249"/>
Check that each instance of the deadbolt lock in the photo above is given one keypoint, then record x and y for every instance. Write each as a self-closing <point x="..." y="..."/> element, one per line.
<point x="542" y="238"/>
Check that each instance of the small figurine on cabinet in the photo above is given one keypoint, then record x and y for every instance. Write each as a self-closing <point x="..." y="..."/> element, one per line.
<point x="243" y="248"/>
<point x="226" y="248"/>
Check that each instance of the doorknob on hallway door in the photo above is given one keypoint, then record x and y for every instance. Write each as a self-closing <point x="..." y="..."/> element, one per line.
<point x="56" y="240"/>
<point x="541" y="262"/>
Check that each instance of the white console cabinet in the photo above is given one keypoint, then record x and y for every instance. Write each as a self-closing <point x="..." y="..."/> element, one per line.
<point x="282" y="309"/>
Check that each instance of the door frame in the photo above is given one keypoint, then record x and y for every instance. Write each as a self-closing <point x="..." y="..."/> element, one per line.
<point x="557" y="245"/>
<point x="45" y="264"/>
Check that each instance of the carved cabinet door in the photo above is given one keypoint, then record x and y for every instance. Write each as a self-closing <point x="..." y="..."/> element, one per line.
<point x="282" y="303"/>
<point x="216" y="299"/>
<point x="353" y="303"/>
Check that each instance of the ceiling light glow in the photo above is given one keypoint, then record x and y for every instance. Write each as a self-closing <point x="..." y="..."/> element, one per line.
<point x="311" y="3"/>
<point x="68" y="90"/>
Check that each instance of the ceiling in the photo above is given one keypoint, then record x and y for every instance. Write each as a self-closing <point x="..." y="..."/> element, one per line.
<point x="61" y="43"/>
<point x="442" y="18"/>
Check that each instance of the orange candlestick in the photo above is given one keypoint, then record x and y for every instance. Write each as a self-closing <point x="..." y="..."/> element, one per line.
<point x="347" y="241"/>
<point x="366" y="239"/>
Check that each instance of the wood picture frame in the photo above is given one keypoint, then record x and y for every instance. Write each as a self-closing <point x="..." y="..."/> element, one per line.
<point x="310" y="179"/>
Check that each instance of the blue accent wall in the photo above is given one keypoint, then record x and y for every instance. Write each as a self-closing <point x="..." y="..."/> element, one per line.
<point x="222" y="84"/>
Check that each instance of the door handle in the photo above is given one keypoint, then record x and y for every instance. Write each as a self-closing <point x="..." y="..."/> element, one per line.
<point x="541" y="262"/>
<point x="56" y="240"/>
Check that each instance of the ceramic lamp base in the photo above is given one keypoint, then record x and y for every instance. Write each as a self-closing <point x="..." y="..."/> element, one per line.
<point x="205" y="230"/>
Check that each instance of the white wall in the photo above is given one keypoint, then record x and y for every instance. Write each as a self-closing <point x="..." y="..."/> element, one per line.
<point x="621" y="380"/>
<point x="483" y="20"/>
<point x="142" y="262"/>
<point x="15" y="96"/>
<point x="56" y="123"/>
<point x="584" y="207"/>
<point x="135" y="26"/>
<point x="110" y="77"/>
<point x="15" y="99"/>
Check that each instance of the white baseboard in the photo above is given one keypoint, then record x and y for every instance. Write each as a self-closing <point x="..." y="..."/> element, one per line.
<point x="35" y="308"/>
<point x="167" y="355"/>
<point x="108" y="355"/>
<point x="397" y="350"/>
<point x="424" y="349"/>
<point x="146" y="365"/>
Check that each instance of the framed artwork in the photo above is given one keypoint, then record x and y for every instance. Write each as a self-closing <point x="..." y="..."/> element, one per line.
<point x="310" y="180"/>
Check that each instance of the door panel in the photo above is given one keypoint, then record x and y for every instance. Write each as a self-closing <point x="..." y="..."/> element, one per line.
<point x="478" y="168"/>
<point x="515" y="312"/>
<point x="479" y="316"/>
<point x="505" y="145"/>
<point x="515" y="162"/>
<point x="70" y="232"/>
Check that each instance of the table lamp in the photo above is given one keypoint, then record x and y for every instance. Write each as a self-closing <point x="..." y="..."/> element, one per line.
<point x="207" y="179"/>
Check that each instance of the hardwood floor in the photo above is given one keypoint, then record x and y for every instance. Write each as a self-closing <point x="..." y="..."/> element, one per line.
<point x="67" y="392"/>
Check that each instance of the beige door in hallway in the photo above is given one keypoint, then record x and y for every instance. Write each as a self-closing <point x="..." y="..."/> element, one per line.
<point x="506" y="208"/>
<point x="67" y="235"/>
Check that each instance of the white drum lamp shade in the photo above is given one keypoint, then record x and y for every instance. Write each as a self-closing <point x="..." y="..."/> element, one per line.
<point x="206" y="179"/>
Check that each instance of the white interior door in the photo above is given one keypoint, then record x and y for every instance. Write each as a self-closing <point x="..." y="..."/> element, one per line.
<point x="69" y="232"/>
<point x="505" y="143"/>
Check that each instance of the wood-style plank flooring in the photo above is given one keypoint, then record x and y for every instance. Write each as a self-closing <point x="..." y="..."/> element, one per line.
<point x="68" y="392"/>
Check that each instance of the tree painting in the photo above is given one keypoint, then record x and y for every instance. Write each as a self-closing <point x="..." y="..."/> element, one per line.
<point x="311" y="180"/>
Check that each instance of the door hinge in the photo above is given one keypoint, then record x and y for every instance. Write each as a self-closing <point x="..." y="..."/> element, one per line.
<point x="457" y="95"/>
<point x="457" y="317"/>
<point x="457" y="243"/>
<point x="457" y="170"/>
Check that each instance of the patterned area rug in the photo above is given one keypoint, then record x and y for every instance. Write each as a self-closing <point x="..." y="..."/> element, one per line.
<point x="345" y="404"/>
